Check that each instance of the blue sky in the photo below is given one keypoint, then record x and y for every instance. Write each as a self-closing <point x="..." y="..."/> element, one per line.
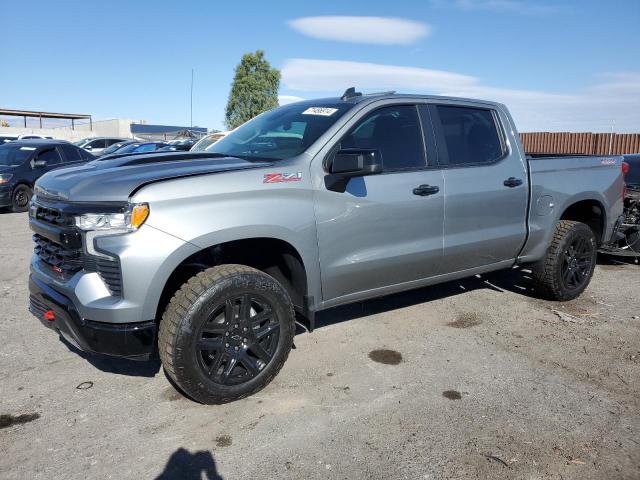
<point x="559" y="65"/>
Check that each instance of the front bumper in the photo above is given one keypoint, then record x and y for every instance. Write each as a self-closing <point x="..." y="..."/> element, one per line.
<point x="5" y="195"/>
<point x="129" y="340"/>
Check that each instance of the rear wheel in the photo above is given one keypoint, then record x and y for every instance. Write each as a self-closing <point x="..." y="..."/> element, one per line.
<point x="568" y="265"/>
<point x="20" y="199"/>
<point x="226" y="333"/>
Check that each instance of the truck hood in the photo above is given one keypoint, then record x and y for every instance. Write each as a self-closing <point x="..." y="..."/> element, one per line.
<point x="116" y="179"/>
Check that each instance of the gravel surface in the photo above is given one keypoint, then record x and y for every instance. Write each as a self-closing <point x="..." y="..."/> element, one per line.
<point x="471" y="379"/>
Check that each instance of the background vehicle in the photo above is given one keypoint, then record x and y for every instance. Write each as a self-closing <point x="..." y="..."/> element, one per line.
<point x="202" y="144"/>
<point x="34" y="136"/>
<point x="10" y="138"/>
<point x="7" y="138"/>
<point x="182" y="145"/>
<point x="306" y="207"/>
<point x="141" y="147"/>
<point x="96" y="145"/>
<point x="629" y="243"/>
<point x="117" y="146"/>
<point x="22" y="162"/>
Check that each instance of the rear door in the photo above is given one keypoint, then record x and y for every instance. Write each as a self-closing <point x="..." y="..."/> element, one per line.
<point x="486" y="183"/>
<point x="379" y="233"/>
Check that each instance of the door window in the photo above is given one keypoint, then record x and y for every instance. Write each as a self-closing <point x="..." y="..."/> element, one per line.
<point x="395" y="132"/>
<point x="471" y="135"/>
<point x="50" y="156"/>
<point x="71" y="153"/>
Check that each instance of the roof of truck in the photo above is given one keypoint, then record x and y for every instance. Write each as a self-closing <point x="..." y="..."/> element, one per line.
<point x="358" y="98"/>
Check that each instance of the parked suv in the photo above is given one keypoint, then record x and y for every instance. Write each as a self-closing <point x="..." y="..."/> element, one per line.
<point x="309" y="206"/>
<point x="96" y="145"/>
<point x="22" y="162"/>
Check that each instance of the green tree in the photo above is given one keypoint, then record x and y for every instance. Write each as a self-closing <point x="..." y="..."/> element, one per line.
<point x="254" y="89"/>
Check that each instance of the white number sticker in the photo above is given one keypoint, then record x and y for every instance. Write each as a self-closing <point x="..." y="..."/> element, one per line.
<point x="27" y="148"/>
<point x="325" y="112"/>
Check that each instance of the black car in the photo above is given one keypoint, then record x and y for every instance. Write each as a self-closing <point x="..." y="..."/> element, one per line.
<point x="22" y="162"/>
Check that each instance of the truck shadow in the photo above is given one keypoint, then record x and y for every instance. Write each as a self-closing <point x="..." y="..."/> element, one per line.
<point x="515" y="280"/>
<point x="184" y="465"/>
<point x="120" y="366"/>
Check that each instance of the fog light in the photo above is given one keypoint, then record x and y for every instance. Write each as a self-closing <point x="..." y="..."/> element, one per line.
<point x="49" y="315"/>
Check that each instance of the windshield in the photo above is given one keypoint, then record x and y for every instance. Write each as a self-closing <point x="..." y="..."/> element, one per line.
<point x="128" y="148"/>
<point x="113" y="148"/>
<point x="281" y="133"/>
<point x="12" y="156"/>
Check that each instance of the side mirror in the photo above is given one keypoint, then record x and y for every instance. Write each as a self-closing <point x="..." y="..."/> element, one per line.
<point x="351" y="163"/>
<point x="39" y="164"/>
<point x="88" y="147"/>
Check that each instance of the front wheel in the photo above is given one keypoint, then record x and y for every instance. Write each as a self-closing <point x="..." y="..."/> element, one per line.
<point x="20" y="198"/>
<point x="568" y="265"/>
<point x="226" y="333"/>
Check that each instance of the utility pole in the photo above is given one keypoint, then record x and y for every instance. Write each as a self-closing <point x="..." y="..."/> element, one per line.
<point x="192" y="98"/>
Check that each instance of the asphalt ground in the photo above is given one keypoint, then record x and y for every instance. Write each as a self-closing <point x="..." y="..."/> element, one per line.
<point x="471" y="379"/>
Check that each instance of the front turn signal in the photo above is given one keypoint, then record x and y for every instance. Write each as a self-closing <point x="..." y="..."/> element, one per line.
<point x="139" y="214"/>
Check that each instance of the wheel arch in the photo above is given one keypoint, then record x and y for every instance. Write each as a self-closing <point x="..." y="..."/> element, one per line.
<point x="272" y="255"/>
<point x="590" y="211"/>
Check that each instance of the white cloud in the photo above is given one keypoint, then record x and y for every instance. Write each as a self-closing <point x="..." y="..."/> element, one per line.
<point x="376" y="30"/>
<point x="514" y="6"/>
<point x="323" y="75"/>
<point x="286" y="99"/>
<point x="614" y="100"/>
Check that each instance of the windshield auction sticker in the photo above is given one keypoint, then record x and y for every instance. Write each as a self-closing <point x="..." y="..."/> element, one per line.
<point x="323" y="111"/>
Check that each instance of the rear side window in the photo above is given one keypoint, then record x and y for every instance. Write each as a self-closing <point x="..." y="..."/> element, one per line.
<point x="393" y="131"/>
<point x="50" y="156"/>
<point x="71" y="153"/>
<point x="471" y="135"/>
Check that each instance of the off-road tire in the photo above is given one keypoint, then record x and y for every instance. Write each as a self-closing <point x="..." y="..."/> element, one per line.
<point x="548" y="272"/>
<point x="190" y="311"/>
<point x="20" y="198"/>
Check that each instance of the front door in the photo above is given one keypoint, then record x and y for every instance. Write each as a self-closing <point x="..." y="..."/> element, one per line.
<point x="379" y="233"/>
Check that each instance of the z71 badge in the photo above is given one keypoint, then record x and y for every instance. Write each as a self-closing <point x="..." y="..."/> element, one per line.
<point x="281" y="177"/>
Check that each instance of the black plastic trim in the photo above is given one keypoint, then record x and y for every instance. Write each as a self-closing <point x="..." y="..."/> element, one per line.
<point x="135" y="341"/>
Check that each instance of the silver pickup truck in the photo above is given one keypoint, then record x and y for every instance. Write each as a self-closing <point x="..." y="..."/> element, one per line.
<point x="209" y="257"/>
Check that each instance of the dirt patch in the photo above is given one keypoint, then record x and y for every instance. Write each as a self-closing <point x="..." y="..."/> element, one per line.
<point x="452" y="395"/>
<point x="224" y="441"/>
<point x="388" y="357"/>
<point x="171" y="394"/>
<point x="466" y="320"/>
<point x="7" y="421"/>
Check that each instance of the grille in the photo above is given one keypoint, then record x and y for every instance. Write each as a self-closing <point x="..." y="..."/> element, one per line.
<point x="52" y="216"/>
<point x="61" y="259"/>
<point x="66" y="262"/>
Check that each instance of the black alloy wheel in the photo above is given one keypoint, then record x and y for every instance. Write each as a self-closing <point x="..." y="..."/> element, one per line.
<point x="578" y="263"/>
<point x="226" y="333"/>
<point x="238" y="340"/>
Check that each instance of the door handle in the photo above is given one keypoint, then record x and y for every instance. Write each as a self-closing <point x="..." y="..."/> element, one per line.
<point x="512" y="182"/>
<point x="424" y="190"/>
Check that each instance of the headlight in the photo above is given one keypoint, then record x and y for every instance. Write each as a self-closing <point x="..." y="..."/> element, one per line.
<point x="128" y="221"/>
<point x="5" y="177"/>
